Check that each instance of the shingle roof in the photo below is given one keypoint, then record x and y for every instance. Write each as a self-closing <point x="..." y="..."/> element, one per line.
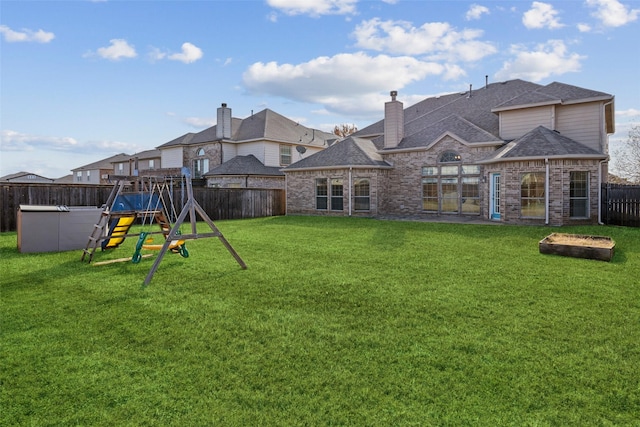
<point x="453" y="124"/>
<point x="244" y="165"/>
<point x="105" y="163"/>
<point x="543" y="143"/>
<point x="553" y="93"/>
<point x="19" y="175"/>
<point x="266" y="124"/>
<point x="474" y="108"/>
<point x="352" y="151"/>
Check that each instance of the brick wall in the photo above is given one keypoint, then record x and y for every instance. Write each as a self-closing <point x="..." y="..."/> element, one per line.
<point x="301" y="190"/>
<point x="404" y="186"/>
<point x="559" y="180"/>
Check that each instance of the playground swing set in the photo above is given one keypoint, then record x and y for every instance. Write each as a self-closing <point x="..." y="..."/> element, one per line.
<point x="153" y="202"/>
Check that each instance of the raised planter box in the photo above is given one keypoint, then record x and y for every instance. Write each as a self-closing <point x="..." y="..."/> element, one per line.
<point x="578" y="246"/>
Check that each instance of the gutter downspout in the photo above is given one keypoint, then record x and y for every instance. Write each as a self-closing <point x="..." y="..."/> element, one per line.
<point x="546" y="191"/>
<point x="600" y="163"/>
<point x="350" y="169"/>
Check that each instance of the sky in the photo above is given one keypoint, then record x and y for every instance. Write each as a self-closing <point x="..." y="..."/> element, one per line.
<point x="81" y="81"/>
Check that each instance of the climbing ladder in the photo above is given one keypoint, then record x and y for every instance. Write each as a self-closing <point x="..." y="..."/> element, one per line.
<point x="98" y="232"/>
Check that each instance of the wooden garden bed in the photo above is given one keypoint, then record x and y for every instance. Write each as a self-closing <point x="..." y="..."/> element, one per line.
<point x="578" y="246"/>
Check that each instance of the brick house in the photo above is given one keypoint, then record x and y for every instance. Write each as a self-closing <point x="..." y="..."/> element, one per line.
<point x="240" y="153"/>
<point x="515" y="152"/>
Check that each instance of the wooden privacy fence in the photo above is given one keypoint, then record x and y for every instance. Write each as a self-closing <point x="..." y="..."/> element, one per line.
<point x="621" y="205"/>
<point x="218" y="203"/>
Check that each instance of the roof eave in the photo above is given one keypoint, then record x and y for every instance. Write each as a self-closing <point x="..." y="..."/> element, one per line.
<point x="521" y="106"/>
<point x="316" y="168"/>
<point x="554" y="157"/>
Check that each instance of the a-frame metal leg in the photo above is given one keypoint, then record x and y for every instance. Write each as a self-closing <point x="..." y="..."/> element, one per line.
<point x="191" y="207"/>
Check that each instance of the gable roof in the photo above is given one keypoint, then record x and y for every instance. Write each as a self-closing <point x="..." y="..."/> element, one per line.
<point x="244" y="165"/>
<point x="473" y="106"/>
<point x="541" y="143"/>
<point x="105" y="163"/>
<point x="264" y="125"/>
<point x="25" y="177"/>
<point x="452" y="125"/>
<point x="350" y="152"/>
<point x="553" y="93"/>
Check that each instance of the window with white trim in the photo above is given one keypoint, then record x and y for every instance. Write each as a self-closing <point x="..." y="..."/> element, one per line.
<point x="285" y="155"/>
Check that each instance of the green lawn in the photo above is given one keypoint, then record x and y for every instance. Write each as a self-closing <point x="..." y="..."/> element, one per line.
<point x="336" y="321"/>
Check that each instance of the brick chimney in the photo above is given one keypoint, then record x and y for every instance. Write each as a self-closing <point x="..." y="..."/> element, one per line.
<point x="393" y="122"/>
<point x="223" y="127"/>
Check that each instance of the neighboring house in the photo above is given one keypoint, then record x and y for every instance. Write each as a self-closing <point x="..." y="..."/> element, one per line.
<point x="514" y="152"/>
<point x="143" y="163"/>
<point x="26" y="177"/>
<point x="245" y="172"/>
<point x="265" y="142"/>
<point x="98" y="172"/>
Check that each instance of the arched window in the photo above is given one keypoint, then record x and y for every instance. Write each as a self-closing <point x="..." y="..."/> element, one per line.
<point x="200" y="152"/>
<point x="450" y="157"/>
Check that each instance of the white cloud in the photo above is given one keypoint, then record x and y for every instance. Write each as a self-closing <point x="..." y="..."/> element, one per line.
<point x="190" y="53"/>
<point x="13" y="141"/>
<point x="437" y="39"/>
<point x="551" y="58"/>
<point x="314" y="7"/>
<point x="475" y="12"/>
<point x="612" y="13"/>
<point x="341" y="83"/>
<point x="16" y="141"/>
<point x="11" y="36"/>
<point x="118" y="49"/>
<point x="584" y="28"/>
<point x="199" y="122"/>
<point x="541" y="15"/>
<point x="631" y="112"/>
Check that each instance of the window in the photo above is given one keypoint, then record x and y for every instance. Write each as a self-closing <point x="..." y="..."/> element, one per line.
<point x="79" y="176"/>
<point x="471" y="195"/>
<point x="337" y="203"/>
<point x="152" y="163"/>
<point x="120" y="168"/>
<point x="361" y="190"/>
<point x="579" y="195"/>
<point x="200" y="167"/>
<point x="450" y="157"/>
<point x="449" y="199"/>
<point x="285" y="155"/>
<point x="321" y="194"/>
<point x="430" y="194"/>
<point x="451" y="189"/>
<point x="88" y="175"/>
<point x="532" y="195"/>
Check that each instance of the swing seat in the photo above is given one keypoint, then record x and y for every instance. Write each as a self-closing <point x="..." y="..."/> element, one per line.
<point x="173" y="245"/>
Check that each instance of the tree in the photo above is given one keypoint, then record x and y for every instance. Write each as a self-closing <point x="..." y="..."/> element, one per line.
<point x="628" y="157"/>
<point x="344" y="130"/>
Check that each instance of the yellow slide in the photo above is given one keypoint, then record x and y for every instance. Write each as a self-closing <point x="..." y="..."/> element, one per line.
<point x="117" y="231"/>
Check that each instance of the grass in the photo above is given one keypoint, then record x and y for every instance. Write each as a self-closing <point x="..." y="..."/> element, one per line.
<point x="336" y="321"/>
